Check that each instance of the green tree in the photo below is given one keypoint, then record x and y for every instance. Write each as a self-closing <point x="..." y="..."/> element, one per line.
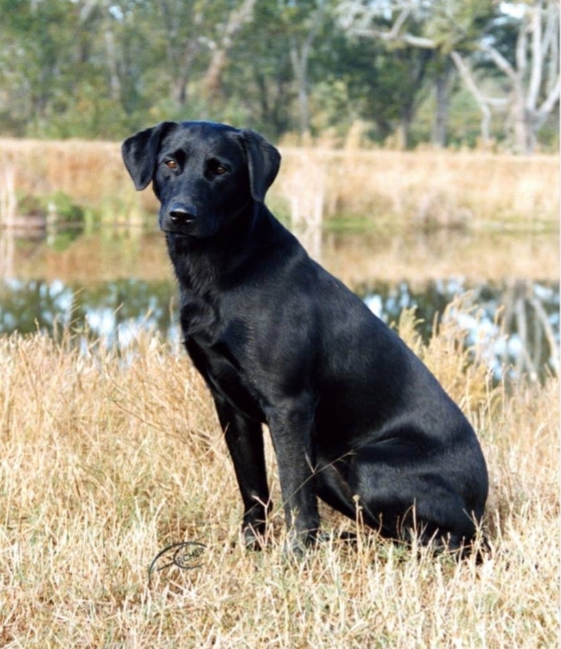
<point x="468" y="28"/>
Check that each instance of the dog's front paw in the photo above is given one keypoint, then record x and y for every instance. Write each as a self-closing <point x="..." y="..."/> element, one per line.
<point x="254" y="537"/>
<point x="297" y="544"/>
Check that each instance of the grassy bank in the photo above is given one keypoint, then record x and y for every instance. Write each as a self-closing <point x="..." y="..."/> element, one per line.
<point x="430" y="188"/>
<point x="105" y="460"/>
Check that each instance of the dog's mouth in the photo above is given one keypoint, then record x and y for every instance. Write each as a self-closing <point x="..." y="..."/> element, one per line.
<point x="184" y="229"/>
<point x="177" y="233"/>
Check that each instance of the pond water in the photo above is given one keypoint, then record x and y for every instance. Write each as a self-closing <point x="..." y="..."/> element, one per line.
<point x="115" y="288"/>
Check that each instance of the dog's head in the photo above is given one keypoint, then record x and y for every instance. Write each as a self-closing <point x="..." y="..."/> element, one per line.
<point x="204" y="174"/>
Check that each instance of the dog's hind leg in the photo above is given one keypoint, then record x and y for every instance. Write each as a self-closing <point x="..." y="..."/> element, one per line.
<point x="416" y="504"/>
<point x="398" y="505"/>
<point x="332" y="487"/>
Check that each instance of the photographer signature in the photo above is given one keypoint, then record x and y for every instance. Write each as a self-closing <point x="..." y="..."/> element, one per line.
<point x="185" y="555"/>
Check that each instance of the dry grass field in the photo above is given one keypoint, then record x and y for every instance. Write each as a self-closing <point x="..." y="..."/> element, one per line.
<point x="106" y="458"/>
<point x="430" y="187"/>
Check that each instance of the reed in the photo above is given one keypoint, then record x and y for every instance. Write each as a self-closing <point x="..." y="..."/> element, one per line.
<point x="431" y="188"/>
<point x="108" y="457"/>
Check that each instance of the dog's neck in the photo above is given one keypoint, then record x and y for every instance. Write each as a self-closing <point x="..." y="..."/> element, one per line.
<point x="205" y="265"/>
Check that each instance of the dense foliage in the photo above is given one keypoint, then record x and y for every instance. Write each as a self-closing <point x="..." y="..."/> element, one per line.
<point x="100" y="68"/>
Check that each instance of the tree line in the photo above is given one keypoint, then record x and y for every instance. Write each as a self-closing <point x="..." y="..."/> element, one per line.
<point x="448" y="72"/>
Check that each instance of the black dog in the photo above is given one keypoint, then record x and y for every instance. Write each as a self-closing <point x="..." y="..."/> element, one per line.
<point x="355" y="417"/>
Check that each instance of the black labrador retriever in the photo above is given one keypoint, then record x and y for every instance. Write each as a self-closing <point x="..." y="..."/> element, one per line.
<point x="355" y="417"/>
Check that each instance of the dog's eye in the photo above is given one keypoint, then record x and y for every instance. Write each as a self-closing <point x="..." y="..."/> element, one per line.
<point x="214" y="167"/>
<point x="171" y="164"/>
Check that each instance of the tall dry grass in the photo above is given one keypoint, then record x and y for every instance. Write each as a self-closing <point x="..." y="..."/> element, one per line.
<point x="107" y="458"/>
<point x="462" y="188"/>
<point x="430" y="187"/>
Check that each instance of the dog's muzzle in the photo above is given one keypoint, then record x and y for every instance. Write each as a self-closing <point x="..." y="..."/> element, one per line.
<point x="179" y="218"/>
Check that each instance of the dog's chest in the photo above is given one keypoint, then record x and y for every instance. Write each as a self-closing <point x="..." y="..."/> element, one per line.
<point x="218" y="348"/>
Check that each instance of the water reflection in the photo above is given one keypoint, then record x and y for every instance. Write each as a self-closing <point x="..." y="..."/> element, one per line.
<point x="516" y="322"/>
<point x="115" y="311"/>
<point x="119" y="310"/>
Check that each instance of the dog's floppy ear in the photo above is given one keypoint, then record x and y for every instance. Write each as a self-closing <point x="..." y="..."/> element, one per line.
<point x="140" y="152"/>
<point x="263" y="162"/>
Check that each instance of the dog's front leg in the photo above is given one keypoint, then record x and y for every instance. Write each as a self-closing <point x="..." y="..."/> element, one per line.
<point x="244" y="438"/>
<point x="291" y="425"/>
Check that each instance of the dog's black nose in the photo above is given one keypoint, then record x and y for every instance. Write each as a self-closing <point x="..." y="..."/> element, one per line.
<point x="180" y="214"/>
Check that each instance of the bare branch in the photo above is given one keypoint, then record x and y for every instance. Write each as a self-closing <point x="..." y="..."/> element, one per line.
<point x="394" y="34"/>
<point x="550" y="101"/>
<point x="472" y="87"/>
<point x="419" y="41"/>
<point x="86" y="10"/>
<point x="551" y="44"/>
<point x="550" y="29"/>
<point x="238" y="17"/>
<point x="403" y="16"/>
<point x="521" y="47"/>
<point x="415" y="41"/>
<point x="537" y="58"/>
<point x="500" y="61"/>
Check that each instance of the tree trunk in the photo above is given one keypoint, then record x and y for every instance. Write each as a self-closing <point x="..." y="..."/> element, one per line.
<point x="404" y="131"/>
<point x="442" y="100"/>
<point x="182" y="81"/>
<point x="523" y="125"/>
<point x="300" y="56"/>
<point x="300" y="66"/>
<point x="112" y="64"/>
<point x="181" y="50"/>
<point x="213" y="76"/>
<point x="236" y="20"/>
